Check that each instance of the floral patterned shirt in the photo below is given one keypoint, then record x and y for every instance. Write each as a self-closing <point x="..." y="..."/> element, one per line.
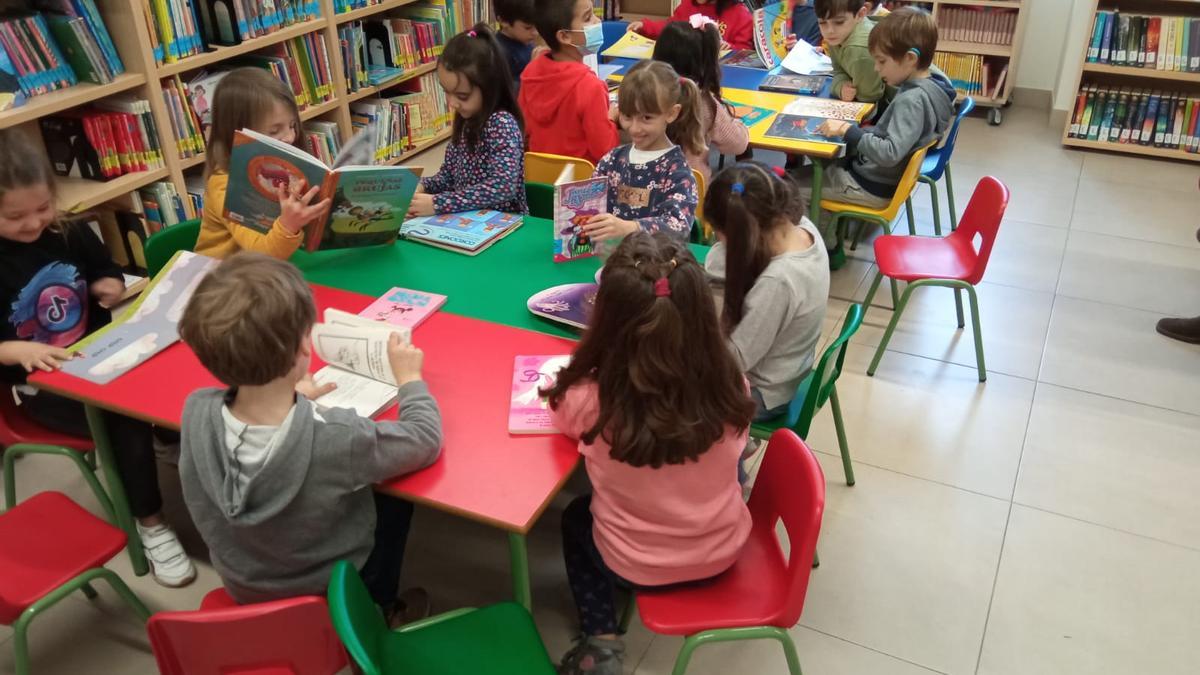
<point x="659" y="195"/>
<point x="492" y="176"/>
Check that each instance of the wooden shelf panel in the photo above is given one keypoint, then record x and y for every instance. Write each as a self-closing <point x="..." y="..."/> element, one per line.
<point x="318" y="110"/>
<point x="189" y="162"/>
<point x="63" y="99"/>
<point x="222" y="53"/>
<point x="1147" y="73"/>
<point x="1013" y="4"/>
<point x="974" y="48"/>
<point x="365" y="12"/>
<point x="1133" y="148"/>
<point x="421" y="147"/>
<point x="78" y="194"/>
<point x="370" y="91"/>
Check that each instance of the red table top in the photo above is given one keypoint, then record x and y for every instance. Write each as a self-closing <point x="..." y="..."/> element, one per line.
<point x="484" y="472"/>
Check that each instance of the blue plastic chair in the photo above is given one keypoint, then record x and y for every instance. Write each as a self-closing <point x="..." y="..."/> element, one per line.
<point x="937" y="163"/>
<point x="613" y="30"/>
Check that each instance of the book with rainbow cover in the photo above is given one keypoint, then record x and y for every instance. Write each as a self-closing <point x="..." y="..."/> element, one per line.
<point x="528" y="412"/>
<point x="403" y="307"/>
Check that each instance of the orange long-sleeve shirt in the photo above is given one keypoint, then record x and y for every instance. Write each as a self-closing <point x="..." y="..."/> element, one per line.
<point x="221" y="238"/>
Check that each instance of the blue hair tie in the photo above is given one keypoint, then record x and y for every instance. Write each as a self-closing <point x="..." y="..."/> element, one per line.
<point x="737" y="188"/>
<point x="915" y="51"/>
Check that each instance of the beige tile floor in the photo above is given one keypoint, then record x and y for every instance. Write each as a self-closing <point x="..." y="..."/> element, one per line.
<point x="1042" y="523"/>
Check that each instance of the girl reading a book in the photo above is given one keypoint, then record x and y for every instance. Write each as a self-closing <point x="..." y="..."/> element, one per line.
<point x="693" y="50"/>
<point x="734" y="21"/>
<point x="251" y="98"/>
<point x="661" y="411"/>
<point x="650" y="185"/>
<point x="57" y="282"/>
<point x="485" y="161"/>
<point x="771" y="264"/>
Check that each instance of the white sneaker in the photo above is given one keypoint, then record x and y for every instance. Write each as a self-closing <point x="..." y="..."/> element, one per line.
<point x="169" y="563"/>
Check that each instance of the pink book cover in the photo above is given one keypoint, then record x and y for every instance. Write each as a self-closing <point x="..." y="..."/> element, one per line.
<point x="403" y="307"/>
<point x="529" y="413"/>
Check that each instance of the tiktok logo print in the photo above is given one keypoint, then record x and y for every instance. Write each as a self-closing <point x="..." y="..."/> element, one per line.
<point x="52" y="308"/>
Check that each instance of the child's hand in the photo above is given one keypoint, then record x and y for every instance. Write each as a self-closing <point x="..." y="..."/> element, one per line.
<point x="30" y="355"/>
<point x="108" y="291"/>
<point x="833" y="128"/>
<point x="538" y="50"/>
<point x="634" y="26"/>
<point x="405" y="360"/>
<point x="607" y="226"/>
<point x="422" y="205"/>
<point x="790" y="42"/>
<point x="309" y="389"/>
<point x="849" y="92"/>
<point x="294" y="209"/>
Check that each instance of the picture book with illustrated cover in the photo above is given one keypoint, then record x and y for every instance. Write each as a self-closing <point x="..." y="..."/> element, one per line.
<point x="800" y="128"/>
<point x="467" y="233"/>
<point x="825" y="107"/>
<point x="529" y="413"/>
<point x="770" y="33"/>
<point x="631" y="46"/>
<point x="743" y="58"/>
<point x="575" y="201"/>
<point x="403" y="307"/>
<point x="569" y="303"/>
<point x="749" y="114"/>
<point x="789" y="83"/>
<point x="355" y="352"/>
<point x="367" y="203"/>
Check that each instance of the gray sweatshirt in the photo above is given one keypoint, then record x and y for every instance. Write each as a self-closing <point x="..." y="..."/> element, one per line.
<point x="920" y="112"/>
<point x="310" y="504"/>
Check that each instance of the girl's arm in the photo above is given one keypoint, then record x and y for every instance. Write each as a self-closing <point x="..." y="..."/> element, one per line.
<point x="440" y="181"/>
<point x="503" y="150"/>
<point x="766" y="308"/>
<point x="277" y="243"/>
<point x="577" y="411"/>
<point x="676" y="209"/>
<point x="728" y="135"/>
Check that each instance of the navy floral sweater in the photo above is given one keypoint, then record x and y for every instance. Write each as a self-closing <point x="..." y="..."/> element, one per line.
<point x="659" y="195"/>
<point x="492" y="176"/>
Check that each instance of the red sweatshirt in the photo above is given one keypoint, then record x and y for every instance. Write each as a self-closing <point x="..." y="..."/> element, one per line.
<point x="566" y="109"/>
<point x="736" y="24"/>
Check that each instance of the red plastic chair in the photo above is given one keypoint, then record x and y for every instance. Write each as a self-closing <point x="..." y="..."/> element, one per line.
<point x="955" y="261"/>
<point x="51" y="547"/>
<point x="762" y="595"/>
<point x="284" y="637"/>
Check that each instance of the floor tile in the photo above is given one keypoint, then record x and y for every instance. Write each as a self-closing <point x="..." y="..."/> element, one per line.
<point x="929" y="419"/>
<point x="1076" y="598"/>
<point x="1132" y="273"/>
<point x="1114" y="351"/>
<point x="1148" y="173"/>
<point x="1027" y="256"/>
<point x="1037" y="196"/>
<point x="906" y="567"/>
<point x="1119" y="464"/>
<point x="1136" y="212"/>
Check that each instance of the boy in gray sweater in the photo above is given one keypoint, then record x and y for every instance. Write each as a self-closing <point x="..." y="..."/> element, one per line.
<point x="902" y="44"/>
<point x="279" y="487"/>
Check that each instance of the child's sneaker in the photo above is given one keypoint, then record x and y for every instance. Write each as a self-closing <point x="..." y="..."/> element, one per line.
<point x="169" y="563"/>
<point x="594" y="656"/>
<point x="411" y="605"/>
<point x="837" y="258"/>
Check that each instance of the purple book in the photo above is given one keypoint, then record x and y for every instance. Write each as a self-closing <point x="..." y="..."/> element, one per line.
<point x="569" y="303"/>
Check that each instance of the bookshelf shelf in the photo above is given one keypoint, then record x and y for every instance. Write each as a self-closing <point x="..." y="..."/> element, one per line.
<point x="63" y="99"/>
<point x="1147" y="150"/>
<point x="189" y="162"/>
<point x="319" y="109"/>
<point x="372" y="90"/>
<point x="78" y="194"/>
<point x="221" y="53"/>
<point x="974" y="48"/>
<point x="997" y="57"/>
<point x="364" y="12"/>
<point x="1148" y="73"/>
<point x="421" y="147"/>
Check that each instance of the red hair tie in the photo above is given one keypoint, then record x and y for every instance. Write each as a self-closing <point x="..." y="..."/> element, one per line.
<point x="662" y="288"/>
<point x="779" y="171"/>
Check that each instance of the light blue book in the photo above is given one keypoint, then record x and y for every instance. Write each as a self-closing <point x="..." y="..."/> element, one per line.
<point x="469" y="232"/>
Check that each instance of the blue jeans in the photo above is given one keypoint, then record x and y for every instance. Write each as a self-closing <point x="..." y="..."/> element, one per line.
<point x="761" y="413"/>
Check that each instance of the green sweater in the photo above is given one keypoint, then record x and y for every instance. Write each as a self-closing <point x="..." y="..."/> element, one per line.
<point x="852" y="64"/>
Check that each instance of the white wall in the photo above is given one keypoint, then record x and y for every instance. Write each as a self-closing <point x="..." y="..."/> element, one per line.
<point x="1041" y="53"/>
<point x="1076" y="36"/>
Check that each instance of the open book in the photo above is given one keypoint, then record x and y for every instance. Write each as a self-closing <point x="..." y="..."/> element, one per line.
<point x="355" y="350"/>
<point x="804" y="59"/>
<point x="575" y="201"/>
<point x="368" y="203"/>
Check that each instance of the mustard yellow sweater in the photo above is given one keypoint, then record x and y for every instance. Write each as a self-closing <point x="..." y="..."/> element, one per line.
<point x="221" y="238"/>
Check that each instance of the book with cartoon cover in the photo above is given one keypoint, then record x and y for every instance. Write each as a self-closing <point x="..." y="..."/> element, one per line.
<point x="469" y="232"/>
<point x="743" y="58"/>
<point x="403" y="307"/>
<point x="569" y="303"/>
<point x="528" y="412"/>
<point x="576" y="201"/>
<point x="770" y="33"/>
<point x="800" y="128"/>
<point x="789" y="83"/>
<point x="367" y="203"/>
<point x="750" y="114"/>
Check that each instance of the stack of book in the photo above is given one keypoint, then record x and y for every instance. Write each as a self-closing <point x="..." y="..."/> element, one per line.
<point x="403" y="122"/>
<point x="1157" y="42"/>
<point x="115" y="137"/>
<point x="398" y="44"/>
<point x="985" y="25"/>
<point x="1140" y="116"/>
<point x="302" y="63"/>
<point x="30" y="60"/>
<point x="185" y="123"/>
<point x="84" y="39"/>
<point x="161" y="206"/>
<point x="182" y="28"/>
<point x="321" y="140"/>
<point x="972" y="74"/>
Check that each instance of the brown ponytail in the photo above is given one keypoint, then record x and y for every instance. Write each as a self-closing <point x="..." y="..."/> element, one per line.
<point x="652" y="87"/>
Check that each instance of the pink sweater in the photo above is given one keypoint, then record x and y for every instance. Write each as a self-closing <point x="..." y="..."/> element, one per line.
<point x="680" y="522"/>
<point x="724" y="132"/>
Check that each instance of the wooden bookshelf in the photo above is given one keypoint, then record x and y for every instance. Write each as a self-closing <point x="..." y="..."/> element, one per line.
<point x="1133" y="149"/>
<point x="78" y="194"/>
<point x="364" y="12"/>
<point x="368" y="92"/>
<point x="71" y="97"/>
<point x="219" y="54"/>
<point x="999" y="55"/>
<point x="981" y="48"/>
<point x="1151" y="73"/>
<point x="420" y="147"/>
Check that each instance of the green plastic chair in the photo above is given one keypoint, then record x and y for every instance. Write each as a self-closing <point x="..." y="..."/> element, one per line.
<point x="809" y="399"/>
<point x="166" y="242"/>
<point x="498" y="640"/>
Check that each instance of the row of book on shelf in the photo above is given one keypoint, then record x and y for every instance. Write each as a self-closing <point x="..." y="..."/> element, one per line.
<point x="972" y="74"/>
<point x="107" y="139"/>
<point x="400" y="123"/>
<point x="987" y="25"/>
<point x="458" y="15"/>
<point x="1162" y="119"/>
<point x="183" y="28"/>
<point x="383" y="49"/>
<point x="1157" y="42"/>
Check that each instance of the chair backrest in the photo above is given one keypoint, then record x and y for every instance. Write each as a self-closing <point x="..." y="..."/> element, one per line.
<point x="981" y="220"/>
<point x="356" y="618"/>
<point x="285" y="636"/>
<point x="791" y="487"/>
<point x="542" y="167"/>
<point x="908" y="180"/>
<point x="825" y="375"/>
<point x="964" y="108"/>
<point x="701" y="190"/>
<point x="16" y="427"/>
<point x="166" y="242"/>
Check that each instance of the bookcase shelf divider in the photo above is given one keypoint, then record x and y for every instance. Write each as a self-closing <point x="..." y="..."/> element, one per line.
<point x="1002" y="55"/>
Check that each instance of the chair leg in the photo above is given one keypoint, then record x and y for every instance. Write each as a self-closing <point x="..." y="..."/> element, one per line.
<point x="958" y="307"/>
<point x="122" y="517"/>
<point x="858" y="233"/>
<point x="789" y="652"/>
<point x="978" y="333"/>
<point x="912" y="222"/>
<point x="835" y="407"/>
<point x="937" y="212"/>
<point x="20" y="641"/>
<point x="950" y="198"/>
<point x="88" y="591"/>
<point x="690" y="643"/>
<point x="123" y="590"/>
<point x="871" y="293"/>
<point x="731" y="634"/>
<point x="627" y="614"/>
<point x="81" y="461"/>
<point x="887" y="334"/>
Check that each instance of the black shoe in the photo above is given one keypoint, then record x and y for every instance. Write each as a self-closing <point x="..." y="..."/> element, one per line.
<point x="1184" y="330"/>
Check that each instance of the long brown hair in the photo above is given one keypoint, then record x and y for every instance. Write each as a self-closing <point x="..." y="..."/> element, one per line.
<point x="745" y="216"/>
<point x="477" y="56"/>
<point x="669" y="385"/>
<point x="651" y="88"/>
<point x="243" y="98"/>
<point x="23" y="163"/>
<point x="695" y="54"/>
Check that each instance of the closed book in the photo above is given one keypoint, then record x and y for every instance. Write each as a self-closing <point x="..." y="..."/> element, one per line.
<point x="1151" y="122"/>
<point x="1121" y="40"/>
<point x="1165" y="107"/>
<point x="1093" y="52"/>
<point x="1135" y="135"/>
<point x="73" y="49"/>
<point x="1089" y="106"/>
<point x="1106" y="121"/>
<point x="1097" y="115"/>
<point x="1177" y="122"/>
<point x="1153" y="31"/>
<point x="1106" y="40"/>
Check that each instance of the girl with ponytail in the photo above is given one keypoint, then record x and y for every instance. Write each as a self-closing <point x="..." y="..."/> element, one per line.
<point x="661" y="411"/>
<point x="774" y="271"/>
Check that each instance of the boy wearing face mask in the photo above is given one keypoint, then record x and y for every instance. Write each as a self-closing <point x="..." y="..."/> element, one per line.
<point x="565" y="105"/>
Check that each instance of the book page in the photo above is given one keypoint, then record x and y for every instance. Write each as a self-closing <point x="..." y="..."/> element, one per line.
<point x="361" y="394"/>
<point x="359" y="349"/>
<point x="337" y="316"/>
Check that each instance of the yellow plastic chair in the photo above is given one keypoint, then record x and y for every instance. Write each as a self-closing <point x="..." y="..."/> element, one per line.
<point x="542" y="167"/>
<point x="706" y="233"/>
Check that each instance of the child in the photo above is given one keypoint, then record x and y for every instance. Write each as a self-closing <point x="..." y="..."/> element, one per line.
<point x="846" y="34"/>
<point x="565" y="104"/>
<point x="902" y="45"/>
<point x="804" y="25"/>
<point x="771" y="263"/>
<point x="252" y="98"/>
<point x="650" y="185"/>
<point x="660" y="409"/>
<point x="279" y="487"/>
<point x="56" y="285"/>
<point x="694" y="53"/>
<point x="517" y="35"/>
<point x="485" y="161"/>
<point x="731" y="16"/>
